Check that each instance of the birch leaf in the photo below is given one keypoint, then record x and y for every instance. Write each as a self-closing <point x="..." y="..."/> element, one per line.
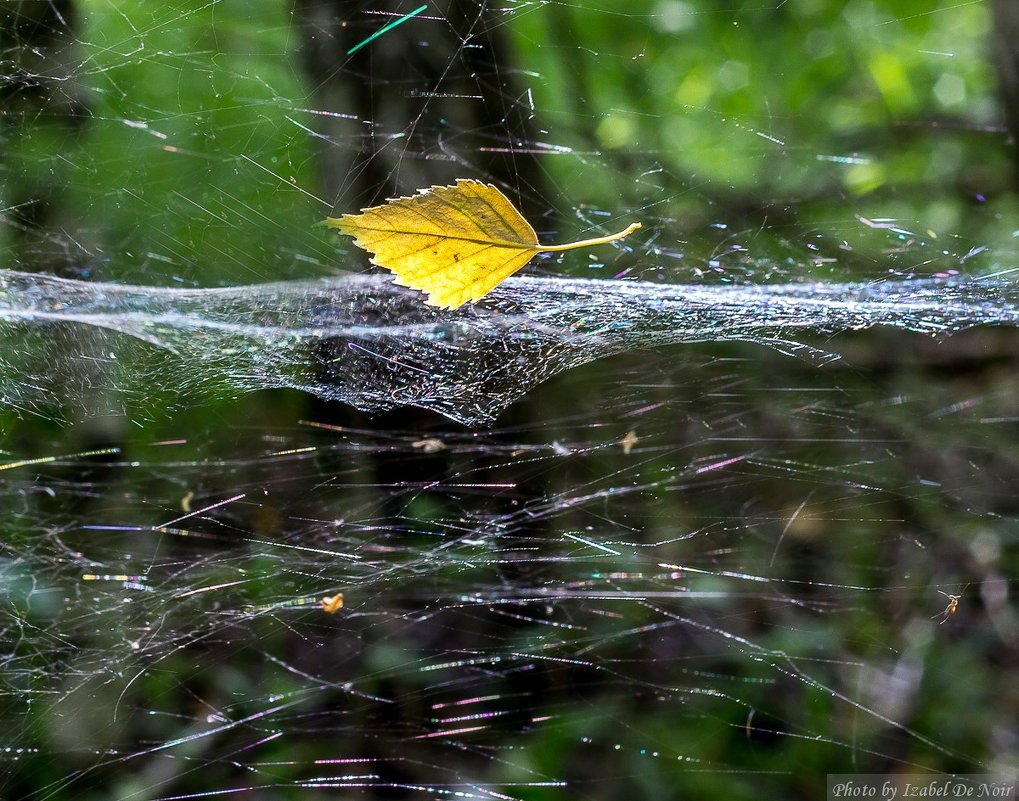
<point x="456" y="243"/>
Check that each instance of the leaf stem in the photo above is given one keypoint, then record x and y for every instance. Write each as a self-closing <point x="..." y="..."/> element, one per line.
<point x="601" y="240"/>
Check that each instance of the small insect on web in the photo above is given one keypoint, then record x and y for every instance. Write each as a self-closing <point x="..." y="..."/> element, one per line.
<point x="457" y="243"/>
<point x="953" y="605"/>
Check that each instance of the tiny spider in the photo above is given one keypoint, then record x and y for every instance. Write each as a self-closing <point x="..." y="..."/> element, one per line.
<point x="953" y="604"/>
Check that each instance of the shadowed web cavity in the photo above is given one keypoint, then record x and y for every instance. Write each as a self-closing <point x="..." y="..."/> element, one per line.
<point x="363" y="340"/>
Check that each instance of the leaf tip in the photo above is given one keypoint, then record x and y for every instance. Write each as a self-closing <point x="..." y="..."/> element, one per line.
<point x="340" y="223"/>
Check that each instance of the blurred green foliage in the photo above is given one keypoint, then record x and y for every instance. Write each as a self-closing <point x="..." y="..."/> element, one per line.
<point x="747" y="126"/>
<point x="776" y="122"/>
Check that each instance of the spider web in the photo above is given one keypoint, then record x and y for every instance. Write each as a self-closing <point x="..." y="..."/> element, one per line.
<point x="367" y="342"/>
<point x="677" y="517"/>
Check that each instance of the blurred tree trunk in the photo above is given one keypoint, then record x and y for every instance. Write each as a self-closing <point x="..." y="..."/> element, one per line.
<point x="1006" y="55"/>
<point x="37" y="91"/>
<point x="433" y="99"/>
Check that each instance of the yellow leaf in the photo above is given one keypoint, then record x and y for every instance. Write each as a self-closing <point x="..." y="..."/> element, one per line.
<point x="457" y="243"/>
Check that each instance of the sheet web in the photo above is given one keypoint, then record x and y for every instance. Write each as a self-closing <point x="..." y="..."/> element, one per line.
<point x="680" y="517"/>
<point x="369" y="343"/>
